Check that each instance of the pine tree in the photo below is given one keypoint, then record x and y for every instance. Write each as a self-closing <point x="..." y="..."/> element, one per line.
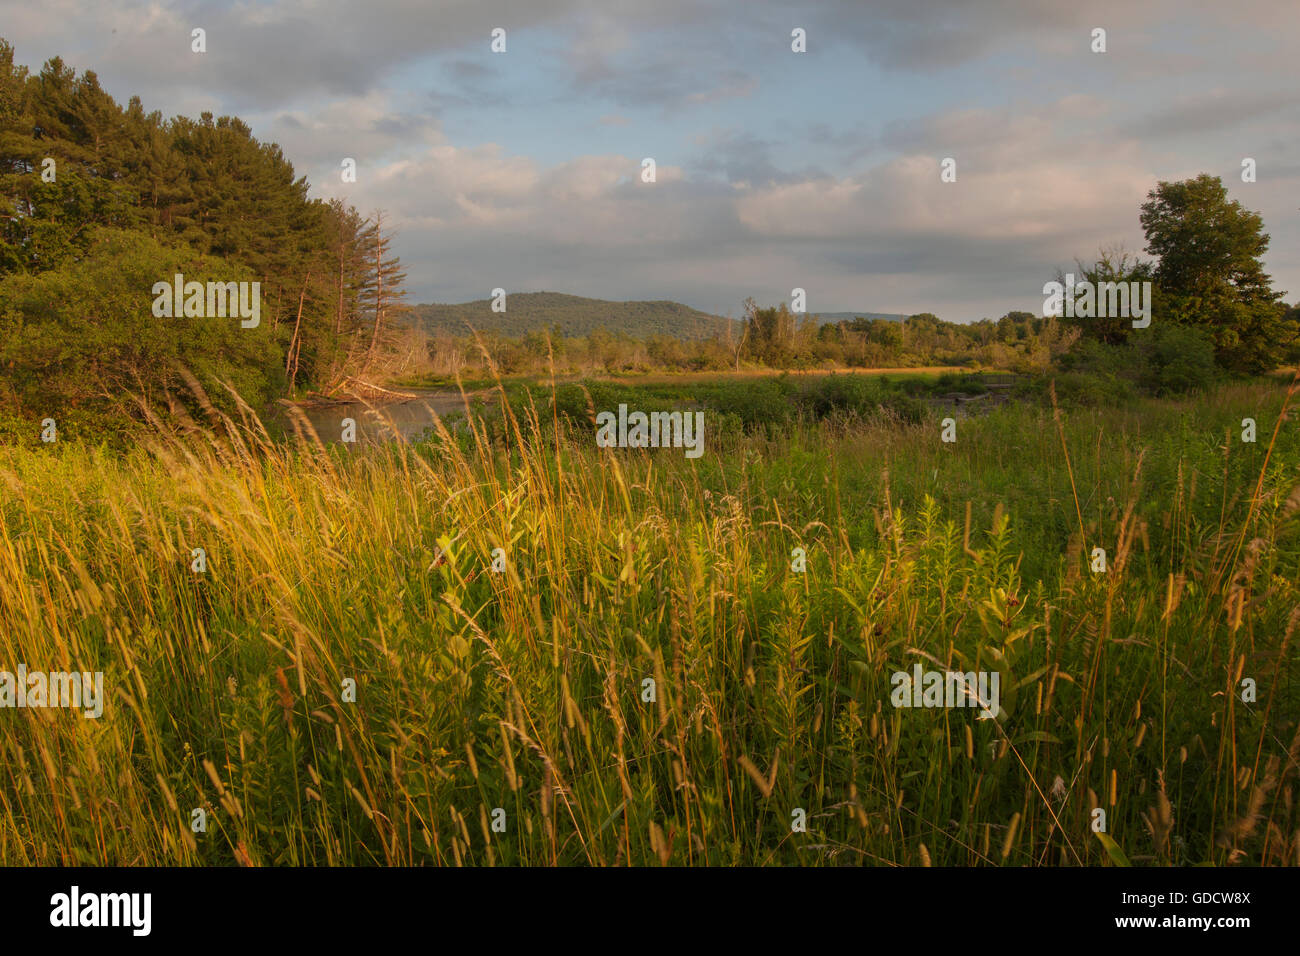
<point x="382" y="292"/>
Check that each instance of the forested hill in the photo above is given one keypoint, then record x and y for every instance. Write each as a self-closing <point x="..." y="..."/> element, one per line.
<point x="574" y="315"/>
<point x="577" y="315"/>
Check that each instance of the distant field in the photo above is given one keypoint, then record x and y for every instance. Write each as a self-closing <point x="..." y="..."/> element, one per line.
<point x="666" y="378"/>
<point x="670" y="378"/>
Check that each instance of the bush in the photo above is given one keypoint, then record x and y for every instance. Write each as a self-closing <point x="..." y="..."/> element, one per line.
<point x="1077" y="388"/>
<point x="966" y="384"/>
<point x="1176" y="359"/>
<point x="82" y="340"/>
<point x="1166" y="359"/>
<point x="828" y="394"/>
<point x="905" y="408"/>
<point x="762" y="401"/>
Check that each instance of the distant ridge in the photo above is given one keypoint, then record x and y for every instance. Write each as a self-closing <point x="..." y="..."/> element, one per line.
<point x="850" y="316"/>
<point x="577" y="315"/>
<point x="573" y="314"/>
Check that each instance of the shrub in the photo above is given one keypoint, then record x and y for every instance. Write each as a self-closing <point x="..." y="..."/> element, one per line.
<point x="84" y="341"/>
<point x="1175" y="359"/>
<point x="761" y="401"/>
<point x="905" y="408"/>
<point x="823" y="396"/>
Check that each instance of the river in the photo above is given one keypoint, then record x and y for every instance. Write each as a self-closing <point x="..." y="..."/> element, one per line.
<point x="402" y="420"/>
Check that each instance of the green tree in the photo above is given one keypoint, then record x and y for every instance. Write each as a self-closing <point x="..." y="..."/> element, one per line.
<point x="82" y="339"/>
<point x="1113" y="265"/>
<point x="1210" y="274"/>
<point x="68" y="120"/>
<point x="207" y="183"/>
<point x="769" y="333"/>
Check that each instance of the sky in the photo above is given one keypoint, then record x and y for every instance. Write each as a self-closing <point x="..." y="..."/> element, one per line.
<point x="774" y="169"/>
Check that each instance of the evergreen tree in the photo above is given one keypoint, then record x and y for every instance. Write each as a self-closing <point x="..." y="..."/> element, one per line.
<point x="382" y="292"/>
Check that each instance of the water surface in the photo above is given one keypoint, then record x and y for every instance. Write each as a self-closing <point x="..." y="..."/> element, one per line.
<point x="400" y="421"/>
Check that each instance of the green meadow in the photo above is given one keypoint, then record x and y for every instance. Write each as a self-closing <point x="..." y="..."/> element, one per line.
<point x="504" y="645"/>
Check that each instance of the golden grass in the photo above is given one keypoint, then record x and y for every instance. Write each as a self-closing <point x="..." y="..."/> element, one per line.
<point x="525" y="690"/>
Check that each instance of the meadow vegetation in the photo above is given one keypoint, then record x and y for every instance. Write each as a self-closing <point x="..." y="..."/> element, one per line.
<point x="525" y="690"/>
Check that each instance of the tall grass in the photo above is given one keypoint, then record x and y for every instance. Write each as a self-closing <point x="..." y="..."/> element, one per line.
<point x="524" y="690"/>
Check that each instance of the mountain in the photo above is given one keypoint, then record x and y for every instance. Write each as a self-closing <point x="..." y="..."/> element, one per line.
<point x="577" y="315"/>
<point x="574" y="314"/>
<point x="850" y="316"/>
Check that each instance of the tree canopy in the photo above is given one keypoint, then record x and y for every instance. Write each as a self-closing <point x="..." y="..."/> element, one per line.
<point x="1207" y="276"/>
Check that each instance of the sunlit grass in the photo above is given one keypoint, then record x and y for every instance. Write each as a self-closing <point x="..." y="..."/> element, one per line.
<point x="523" y="690"/>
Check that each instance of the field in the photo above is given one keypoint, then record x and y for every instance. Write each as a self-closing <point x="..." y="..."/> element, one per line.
<point x="349" y="680"/>
<point x="688" y="378"/>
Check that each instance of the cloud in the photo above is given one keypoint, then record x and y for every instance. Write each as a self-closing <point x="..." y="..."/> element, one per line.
<point x="744" y="159"/>
<point x="818" y="170"/>
<point x="366" y="128"/>
<point x="270" y="55"/>
<point x="1214" y="111"/>
<point x="589" y="225"/>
